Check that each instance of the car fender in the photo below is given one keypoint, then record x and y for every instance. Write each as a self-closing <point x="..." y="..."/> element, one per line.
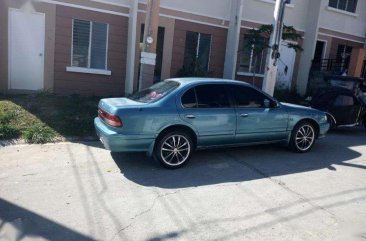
<point x="332" y="117"/>
<point x="164" y="127"/>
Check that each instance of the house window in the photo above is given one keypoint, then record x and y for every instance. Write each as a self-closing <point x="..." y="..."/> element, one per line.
<point x="89" y="44"/>
<point x="343" y="57"/>
<point x="344" y="100"/>
<point x="197" y="51"/>
<point x="250" y="60"/>
<point x="345" y="5"/>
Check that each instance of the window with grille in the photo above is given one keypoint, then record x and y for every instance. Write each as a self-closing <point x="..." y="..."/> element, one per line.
<point x="89" y="44"/>
<point x="343" y="57"/>
<point x="197" y="51"/>
<point x="250" y="60"/>
<point x="345" y="5"/>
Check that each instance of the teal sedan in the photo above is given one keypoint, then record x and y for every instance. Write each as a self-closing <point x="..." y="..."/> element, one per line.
<point x="174" y="117"/>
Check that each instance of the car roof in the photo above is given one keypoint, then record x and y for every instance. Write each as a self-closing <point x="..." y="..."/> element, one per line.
<point x="196" y="80"/>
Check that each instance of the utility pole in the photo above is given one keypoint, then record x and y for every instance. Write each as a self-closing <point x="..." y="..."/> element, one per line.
<point x="273" y="55"/>
<point x="148" y="54"/>
<point x="233" y="36"/>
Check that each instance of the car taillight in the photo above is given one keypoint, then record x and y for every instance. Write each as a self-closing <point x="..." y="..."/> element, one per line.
<point x="111" y="120"/>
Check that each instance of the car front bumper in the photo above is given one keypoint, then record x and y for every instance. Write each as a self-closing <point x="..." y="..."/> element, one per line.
<point x="117" y="142"/>
<point x="323" y="129"/>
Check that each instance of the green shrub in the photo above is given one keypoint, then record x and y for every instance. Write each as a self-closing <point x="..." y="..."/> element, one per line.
<point x="8" y="132"/>
<point x="39" y="134"/>
<point x="6" y="117"/>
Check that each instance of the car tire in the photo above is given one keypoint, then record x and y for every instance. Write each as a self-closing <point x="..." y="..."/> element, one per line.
<point x="174" y="149"/>
<point x="302" y="137"/>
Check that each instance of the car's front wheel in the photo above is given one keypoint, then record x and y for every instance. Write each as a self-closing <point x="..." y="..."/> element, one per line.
<point x="303" y="137"/>
<point x="173" y="149"/>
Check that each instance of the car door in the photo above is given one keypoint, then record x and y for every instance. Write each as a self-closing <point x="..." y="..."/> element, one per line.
<point x="259" y="118"/>
<point x="346" y="109"/>
<point x="207" y="108"/>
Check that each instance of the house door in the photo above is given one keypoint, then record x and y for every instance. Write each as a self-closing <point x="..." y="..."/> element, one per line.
<point x="318" y="55"/>
<point x="285" y="67"/>
<point x="26" y="50"/>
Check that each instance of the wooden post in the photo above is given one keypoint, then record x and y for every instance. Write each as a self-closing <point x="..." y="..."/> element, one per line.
<point x="148" y="54"/>
<point x="356" y="62"/>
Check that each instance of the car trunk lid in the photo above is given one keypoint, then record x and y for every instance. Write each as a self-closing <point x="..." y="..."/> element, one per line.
<point x="111" y="105"/>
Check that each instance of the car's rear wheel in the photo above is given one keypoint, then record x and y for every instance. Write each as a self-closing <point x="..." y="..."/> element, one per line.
<point x="303" y="137"/>
<point x="173" y="149"/>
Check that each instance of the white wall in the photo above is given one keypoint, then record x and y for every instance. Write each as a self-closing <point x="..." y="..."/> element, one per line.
<point x="116" y="2"/>
<point x="345" y="23"/>
<point x="216" y="8"/>
<point x="261" y="11"/>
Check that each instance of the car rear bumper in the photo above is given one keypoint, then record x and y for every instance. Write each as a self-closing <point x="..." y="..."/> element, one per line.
<point x="117" y="142"/>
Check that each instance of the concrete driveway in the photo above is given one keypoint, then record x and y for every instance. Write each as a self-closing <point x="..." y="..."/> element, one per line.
<point x="79" y="191"/>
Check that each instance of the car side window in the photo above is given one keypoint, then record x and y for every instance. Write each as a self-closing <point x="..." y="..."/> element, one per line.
<point x="246" y="97"/>
<point x="189" y="99"/>
<point x="212" y="96"/>
<point x="344" y="100"/>
<point x="323" y="101"/>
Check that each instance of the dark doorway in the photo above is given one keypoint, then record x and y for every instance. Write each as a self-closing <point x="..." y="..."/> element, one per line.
<point x="319" y="50"/>
<point x="159" y="51"/>
<point x="319" y="55"/>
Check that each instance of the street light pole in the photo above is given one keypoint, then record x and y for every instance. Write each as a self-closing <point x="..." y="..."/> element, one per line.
<point x="148" y="54"/>
<point x="269" y="80"/>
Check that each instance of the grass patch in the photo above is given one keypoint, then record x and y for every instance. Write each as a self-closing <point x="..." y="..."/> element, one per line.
<point x="39" y="134"/>
<point x="8" y="132"/>
<point x="44" y="117"/>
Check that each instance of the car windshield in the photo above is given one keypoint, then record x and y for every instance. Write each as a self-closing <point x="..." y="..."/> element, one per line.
<point x="155" y="92"/>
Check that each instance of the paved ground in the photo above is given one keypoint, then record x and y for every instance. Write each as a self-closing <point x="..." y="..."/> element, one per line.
<point x="80" y="191"/>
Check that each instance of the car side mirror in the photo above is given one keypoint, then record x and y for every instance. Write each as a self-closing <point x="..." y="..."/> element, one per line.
<point x="270" y="104"/>
<point x="267" y="103"/>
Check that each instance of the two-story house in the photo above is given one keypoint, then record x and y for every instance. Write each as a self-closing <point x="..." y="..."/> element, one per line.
<point x="85" y="46"/>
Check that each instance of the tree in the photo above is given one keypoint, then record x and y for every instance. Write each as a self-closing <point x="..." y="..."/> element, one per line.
<point x="257" y="41"/>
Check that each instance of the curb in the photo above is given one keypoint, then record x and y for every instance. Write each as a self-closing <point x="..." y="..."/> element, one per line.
<point x="14" y="142"/>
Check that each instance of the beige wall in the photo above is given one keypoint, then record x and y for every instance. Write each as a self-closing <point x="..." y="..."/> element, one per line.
<point x="49" y="10"/>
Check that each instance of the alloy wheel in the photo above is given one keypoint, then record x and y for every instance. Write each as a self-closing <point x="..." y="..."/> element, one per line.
<point x="175" y="150"/>
<point x="305" y="137"/>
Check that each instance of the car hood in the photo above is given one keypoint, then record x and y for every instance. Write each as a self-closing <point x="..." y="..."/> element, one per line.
<point x="296" y="106"/>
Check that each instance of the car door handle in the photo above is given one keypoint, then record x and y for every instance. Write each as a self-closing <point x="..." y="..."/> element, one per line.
<point x="244" y="115"/>
<point x="190" y="116"/>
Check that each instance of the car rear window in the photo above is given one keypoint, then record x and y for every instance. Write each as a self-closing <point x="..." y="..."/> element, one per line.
<point x="155" y="92"/>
